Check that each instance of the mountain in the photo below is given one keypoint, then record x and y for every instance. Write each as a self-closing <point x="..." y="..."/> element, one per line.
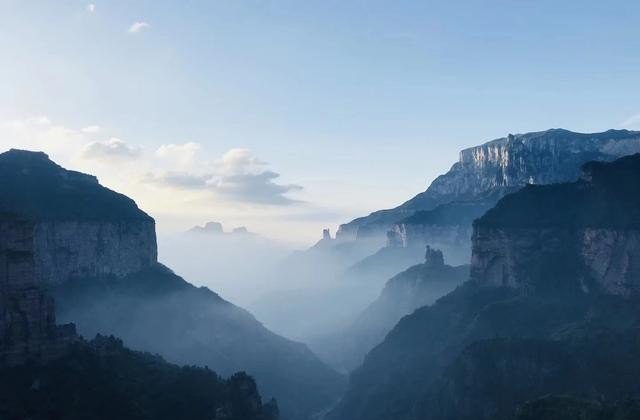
<point x="74" y="219"/>
<point x="28" y="330"/>
<point x="484" y="174"/>
<point x="102" y="379"/>
<point x="419" y="285"/>
<point x="47" y="371"/>
<point x="551" y="308"/>
<point x="96" y="252"/>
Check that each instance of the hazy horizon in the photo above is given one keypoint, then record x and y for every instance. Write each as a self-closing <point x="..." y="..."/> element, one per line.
<point x="289" y="118"/>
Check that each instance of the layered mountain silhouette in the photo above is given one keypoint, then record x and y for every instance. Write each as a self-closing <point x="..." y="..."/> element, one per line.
<point x="95" y="250"/>
<point x="419" y="285"/>
<point x="101" y="379"/>
<point x="441" y="216"/>
<point x="550" y="309"/>
<point x="368" y="251"/>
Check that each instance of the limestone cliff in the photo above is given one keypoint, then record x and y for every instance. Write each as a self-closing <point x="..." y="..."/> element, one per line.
<point x="584" y="234"/>
<point x="68" y="249"/>
<point x="80" y="228"/>
<point x="485" y="173"/>
<point x="28" y="330"/>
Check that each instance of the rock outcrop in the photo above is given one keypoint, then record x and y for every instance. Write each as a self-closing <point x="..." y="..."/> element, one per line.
<point x="28" y="330"/>
<point x="95" y="251"/>
<point x="417" y="286"/>
<point x="484" y="174"/>
<point x="585" y="234"/>
<point x="551" y="307"/>
<point x="80" y="228"/>
<point x="210" y="228"/>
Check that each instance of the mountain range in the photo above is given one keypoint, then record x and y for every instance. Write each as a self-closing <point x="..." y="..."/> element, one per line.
<point x="95" y="251"/>
<point x="550" y="308"/>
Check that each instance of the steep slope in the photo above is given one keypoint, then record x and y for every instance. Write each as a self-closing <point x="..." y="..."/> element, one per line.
<point x="413" y="288"/>
<point x="97" y="253"/>
<point x="47" y="371"/>
<point x="80" y="227"/>
<point x="487" y="172"/>
<point x="28" y="330"/>
<point x="538" y="302"/>
<point x="155" y="310"/>
<point x="102" y="379"/>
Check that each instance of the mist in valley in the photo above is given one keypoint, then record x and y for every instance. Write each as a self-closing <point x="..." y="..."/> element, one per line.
<point x="301" y="293"/>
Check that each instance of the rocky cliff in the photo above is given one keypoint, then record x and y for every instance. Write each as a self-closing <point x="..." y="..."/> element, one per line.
<point x="28" y="330"/>
<point x="485" y="173"/>
<point x="551" y="308"/>
<point x="80" y="228"/>
<point x="447" y="227"/>
<point x="96" y="252"/>
<point x="584" y="234"/>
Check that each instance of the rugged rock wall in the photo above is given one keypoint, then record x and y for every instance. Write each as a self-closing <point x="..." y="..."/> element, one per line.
<point x="545" y="157"/>
<point x="27" y="317"/>
<point x="454" y="240"/>
<point x="502" y="166"/>
<point x="68" y="249"/>
<point x="604" y="259"/>
<point x="583" y="234"/>
<point x="80" y="228"/>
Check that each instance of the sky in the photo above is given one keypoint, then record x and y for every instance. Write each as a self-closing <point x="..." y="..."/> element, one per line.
<point x="291" y="116"/>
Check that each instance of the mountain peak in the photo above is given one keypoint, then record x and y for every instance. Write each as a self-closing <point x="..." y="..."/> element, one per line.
<point x="36" y="188"/>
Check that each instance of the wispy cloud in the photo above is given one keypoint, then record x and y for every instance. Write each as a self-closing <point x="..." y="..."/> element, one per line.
<point x="236" y="177"/>
<point x="138" y="26"/>
<point x="633" y="122"/>
<point x="110" y="150"/>
<point x="91" y="8"/>
<point x="239" y="176"/>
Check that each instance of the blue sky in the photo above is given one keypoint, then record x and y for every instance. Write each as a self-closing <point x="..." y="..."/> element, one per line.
<point x="360" y="103"/>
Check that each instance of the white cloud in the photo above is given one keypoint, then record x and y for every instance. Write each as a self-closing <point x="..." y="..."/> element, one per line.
<point x="184" y="155"/>
<point x="239" y="176"/>
<point x="90" y="129"/>
<point x="138" y="26"/>
<point x="91" y="8"/>
<point x="633" y="122"/>
<point x="239" y="161"/>
<point x="112" y="149"/>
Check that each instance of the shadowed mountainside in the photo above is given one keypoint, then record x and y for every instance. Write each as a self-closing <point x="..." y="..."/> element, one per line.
<point x="539" y="315"/>
<point x="96" y="251"/>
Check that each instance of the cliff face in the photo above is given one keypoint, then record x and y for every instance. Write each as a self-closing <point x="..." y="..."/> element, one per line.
<point x="585" y="234"/>
<point x="80" y="228"/>
<point x="454" y="240"/>
<point x="69" y="249"/>
<point x="550" y="258"/>
<point x="28" y="330"/>
<point x="489" y="171"/>
<point x="551" y="309"/>
<point x="544" y="157"/>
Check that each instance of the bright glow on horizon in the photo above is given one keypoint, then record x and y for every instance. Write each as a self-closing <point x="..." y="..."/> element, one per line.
<point x="288" y="117"/>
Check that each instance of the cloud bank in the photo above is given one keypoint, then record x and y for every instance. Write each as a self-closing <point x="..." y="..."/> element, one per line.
<point x="238" y="176"/>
